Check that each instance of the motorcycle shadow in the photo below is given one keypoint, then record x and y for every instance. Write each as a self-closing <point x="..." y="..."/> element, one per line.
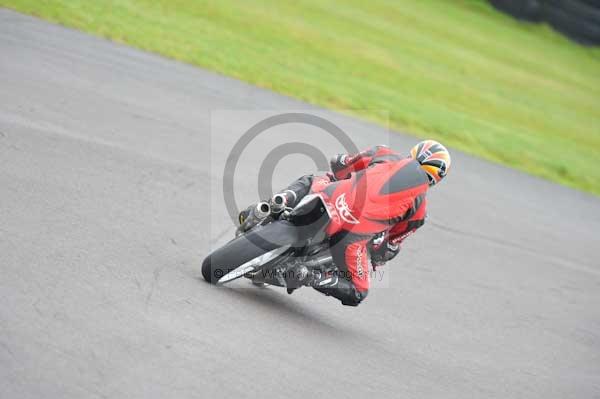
<point x="277" y="302"/>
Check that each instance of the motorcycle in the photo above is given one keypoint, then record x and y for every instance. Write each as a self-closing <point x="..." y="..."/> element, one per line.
<point x="277" y="245"/>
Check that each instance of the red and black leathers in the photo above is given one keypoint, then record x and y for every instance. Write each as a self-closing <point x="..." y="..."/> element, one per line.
<point x="379" y="199"/>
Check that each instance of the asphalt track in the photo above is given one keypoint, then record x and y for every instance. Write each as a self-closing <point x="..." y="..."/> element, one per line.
<point x="110" y="168"/>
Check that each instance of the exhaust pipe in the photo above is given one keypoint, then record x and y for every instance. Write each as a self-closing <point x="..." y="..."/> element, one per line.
<point x="254" y="216"/>
<point x="262" y="210"/>
<point x="278" y="203"/>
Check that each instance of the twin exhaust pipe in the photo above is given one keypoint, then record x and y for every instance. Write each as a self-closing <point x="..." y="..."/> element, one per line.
<point x="264" y="208"/>
<point x="261" y="211"/>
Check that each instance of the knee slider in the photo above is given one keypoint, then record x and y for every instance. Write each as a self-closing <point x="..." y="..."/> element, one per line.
<point x="356" y="299"/>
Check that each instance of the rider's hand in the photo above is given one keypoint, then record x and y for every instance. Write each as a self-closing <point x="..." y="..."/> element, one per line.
<point x="337" y="164"/>
<point x="383" y="253"/>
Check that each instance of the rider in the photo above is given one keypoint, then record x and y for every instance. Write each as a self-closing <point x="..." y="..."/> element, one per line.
<point x="393" y="207"/>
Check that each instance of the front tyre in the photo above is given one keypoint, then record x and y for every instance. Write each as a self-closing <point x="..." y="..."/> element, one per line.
<point x="249" y="252"/>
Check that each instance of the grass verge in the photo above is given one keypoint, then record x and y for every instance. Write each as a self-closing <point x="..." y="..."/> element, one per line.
<point x="457" y="71"/>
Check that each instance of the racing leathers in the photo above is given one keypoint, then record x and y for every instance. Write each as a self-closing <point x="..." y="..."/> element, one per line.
<point x="379" y="197"/>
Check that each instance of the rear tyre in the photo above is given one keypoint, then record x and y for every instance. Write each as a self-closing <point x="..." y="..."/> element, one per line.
<point x="246" y="248"/>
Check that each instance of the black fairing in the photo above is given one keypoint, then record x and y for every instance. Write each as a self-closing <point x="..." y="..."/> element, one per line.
<point x="310" y="217"/>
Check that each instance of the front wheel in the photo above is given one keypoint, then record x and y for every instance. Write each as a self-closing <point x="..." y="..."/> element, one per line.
<point x="249" y="252"/>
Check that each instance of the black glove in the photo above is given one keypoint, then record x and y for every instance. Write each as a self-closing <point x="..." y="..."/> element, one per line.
<point x="337" y="164"/>
<point x="382" y="251"/>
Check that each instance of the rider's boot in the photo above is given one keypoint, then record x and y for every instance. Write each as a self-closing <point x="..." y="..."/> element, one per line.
<point x="300" y="275"/>
<point x="341" y="289"/>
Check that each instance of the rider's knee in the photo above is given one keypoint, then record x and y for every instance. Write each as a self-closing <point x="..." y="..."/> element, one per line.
<point x="356" y="299"/>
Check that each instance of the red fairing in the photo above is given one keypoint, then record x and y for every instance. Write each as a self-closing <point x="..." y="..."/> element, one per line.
<point x="375" y="199"/>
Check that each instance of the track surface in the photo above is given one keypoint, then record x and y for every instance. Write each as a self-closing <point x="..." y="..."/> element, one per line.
<point x="108" y="182"/>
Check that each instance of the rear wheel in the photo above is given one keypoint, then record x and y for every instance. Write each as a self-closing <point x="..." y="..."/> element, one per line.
<point x="249" y="252"/>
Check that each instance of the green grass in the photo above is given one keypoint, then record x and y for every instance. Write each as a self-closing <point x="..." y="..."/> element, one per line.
<point x="453" y="70"/>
